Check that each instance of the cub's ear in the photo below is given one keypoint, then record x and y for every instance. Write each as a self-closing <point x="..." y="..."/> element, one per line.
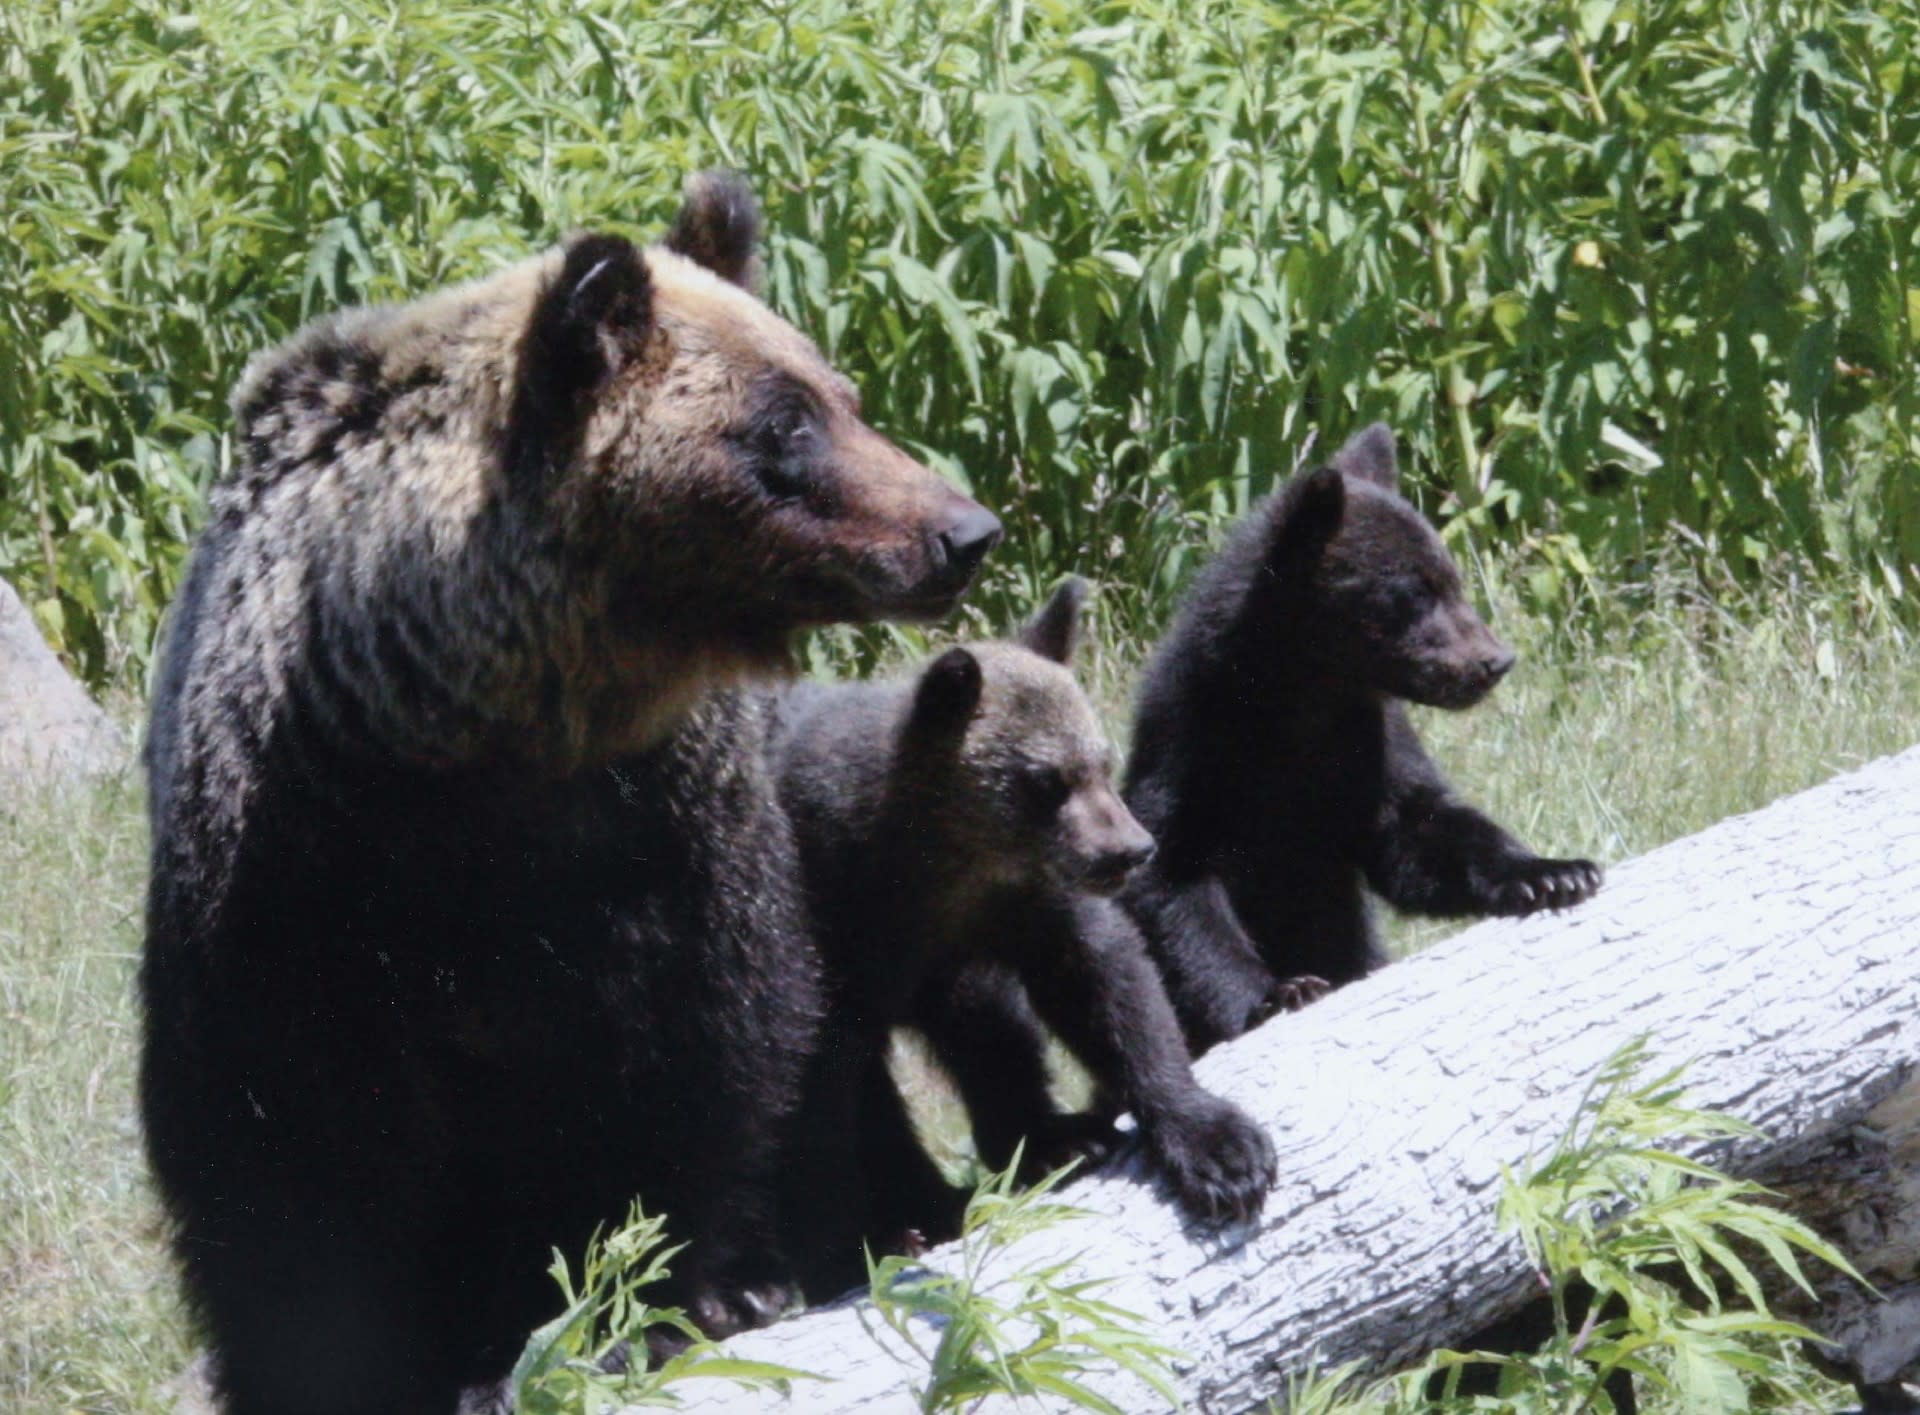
<point x="719" y="227"/>
<point x="948" y="695"/>
<point x="1307" y="515"/>
<point x="1055" y="631"/>
<point x="589" y="320"/>
<point x="1369" y="455"/>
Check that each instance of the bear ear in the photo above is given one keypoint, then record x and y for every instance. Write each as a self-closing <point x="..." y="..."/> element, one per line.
<point x="719" y="227"/>
<point x="588" y="321"/>
<point x="948" y="694"/>
<point x="1369" y="455"/>
<point x="1309" y="515"/>
<point x="1054" y="632"/>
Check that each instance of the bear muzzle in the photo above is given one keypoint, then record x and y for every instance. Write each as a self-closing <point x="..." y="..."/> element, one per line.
<point x="927" y="582"/>
<point x="1108" y="872"/>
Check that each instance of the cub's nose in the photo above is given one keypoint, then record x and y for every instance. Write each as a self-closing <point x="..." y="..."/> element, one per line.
<point x="1496" y="664"/>
<point x="1110" y="871"/>
<point x="965" y="542"/>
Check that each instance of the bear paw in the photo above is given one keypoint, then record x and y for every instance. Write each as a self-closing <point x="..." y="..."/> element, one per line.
<point x="1219" y="1163"/>
<point x="1060" y="1140"/>
<point x="722" y="1312"/>
<point x="1292" y="994"/>
<point x="1529" y="885"/>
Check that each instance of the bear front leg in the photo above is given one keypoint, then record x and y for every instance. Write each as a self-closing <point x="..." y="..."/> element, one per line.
<point x="308" y="1313"/>
<point x="1098" y="989"/>
<point x="982" y="1028"/>
<point x="826" y="1203"/>
<point x="733" y="1274"/>
<point x="1431" y="853"/>
<point x="910" y="1205"/>
<point x="1219" y="986"/>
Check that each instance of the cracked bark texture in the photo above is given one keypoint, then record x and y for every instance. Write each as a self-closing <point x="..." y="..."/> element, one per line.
<point x="1778" y="952"/>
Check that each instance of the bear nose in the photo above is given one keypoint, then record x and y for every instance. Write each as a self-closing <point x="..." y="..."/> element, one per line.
<point x="1496" y="664"/>
<point x="966" y="541"/>
<point x="1116" y="865"/>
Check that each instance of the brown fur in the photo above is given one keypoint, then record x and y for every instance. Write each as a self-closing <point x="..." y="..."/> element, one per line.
<point x="439" y="937"/>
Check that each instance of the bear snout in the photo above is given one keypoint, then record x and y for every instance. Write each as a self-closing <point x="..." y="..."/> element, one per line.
<point x="1110" y="868"/>
<point x="922" y="575"/>
<point x="960" y="546"/>
<point x="949" y="557"/>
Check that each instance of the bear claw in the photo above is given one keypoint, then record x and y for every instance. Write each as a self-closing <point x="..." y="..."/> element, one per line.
<point x="1292" y="994"/>
<point x="1219" y="1163"/>
<point x="1536" y="884"/>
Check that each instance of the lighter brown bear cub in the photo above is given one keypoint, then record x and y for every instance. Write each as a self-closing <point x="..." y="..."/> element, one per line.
<point x="438" y="940"/>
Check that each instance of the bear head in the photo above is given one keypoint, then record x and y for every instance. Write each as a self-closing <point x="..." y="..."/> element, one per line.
<point x="702" y="456"/>
<point x="1003" y="748"/>
<point x="1374" y="598"/>
<point x="541" y="514"/>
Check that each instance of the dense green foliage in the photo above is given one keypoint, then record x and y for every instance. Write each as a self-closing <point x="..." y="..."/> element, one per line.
<point x="1624" y="274"/>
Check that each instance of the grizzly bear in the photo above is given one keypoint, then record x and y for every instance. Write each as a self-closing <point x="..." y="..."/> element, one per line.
<point x="448" y="957"/>
<point x="963" y="817"/>
<point x="1274" y="763"/>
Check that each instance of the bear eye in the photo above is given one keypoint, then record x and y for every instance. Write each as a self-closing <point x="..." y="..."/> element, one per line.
<point x="784" y="447"/>
<point x="1046" y="790"/>
<point x="1405" y="597"/>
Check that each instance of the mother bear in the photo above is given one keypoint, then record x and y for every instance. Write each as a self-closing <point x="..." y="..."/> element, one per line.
<point x="443" y="965"/>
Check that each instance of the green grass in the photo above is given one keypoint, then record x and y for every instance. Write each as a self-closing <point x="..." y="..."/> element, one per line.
<point x="1664" y="712"/>
<point x="1653" y="718"/>
<point x="88" y="1316"/>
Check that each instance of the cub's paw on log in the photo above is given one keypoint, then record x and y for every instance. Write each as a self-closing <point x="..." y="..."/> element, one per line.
<point x="1217" y="1161"/>
<point x="1530" y="884"/>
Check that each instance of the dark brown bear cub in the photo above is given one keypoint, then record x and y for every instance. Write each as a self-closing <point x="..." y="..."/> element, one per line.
<point x="962" y="819"/>
<point x="1274" y="762"/>
<point x="447" y="957"/>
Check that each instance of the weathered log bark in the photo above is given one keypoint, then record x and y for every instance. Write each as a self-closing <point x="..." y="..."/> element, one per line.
<point x="1779" y="952"/>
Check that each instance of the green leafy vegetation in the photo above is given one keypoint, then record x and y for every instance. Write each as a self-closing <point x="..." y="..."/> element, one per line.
<point x="1663" y="1243"/>
<point x="1633" y="277"/>
<point x="982" y="1331"/>
<point x="590" y="1359"/>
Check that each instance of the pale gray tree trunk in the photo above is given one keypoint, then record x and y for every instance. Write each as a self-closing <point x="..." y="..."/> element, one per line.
<point x="1777" y="953"/>
<point x="49" y="727"/>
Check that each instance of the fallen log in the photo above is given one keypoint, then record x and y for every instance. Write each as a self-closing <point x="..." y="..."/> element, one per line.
<point x="1777" y="952"/>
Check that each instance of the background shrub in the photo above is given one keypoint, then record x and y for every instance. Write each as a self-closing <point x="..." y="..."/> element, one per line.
<point x="1627" y="276"/>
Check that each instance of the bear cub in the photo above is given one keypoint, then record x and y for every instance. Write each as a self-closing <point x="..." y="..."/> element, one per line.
<point x="958" y="830"/>
<point x="1274" y="762"/>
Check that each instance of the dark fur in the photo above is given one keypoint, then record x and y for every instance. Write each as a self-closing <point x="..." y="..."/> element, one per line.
<point x="719" y="227"/>
<point x="960" y="838"/>
<point x="1274" y="762"/>
<point x="450" y="953"/>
